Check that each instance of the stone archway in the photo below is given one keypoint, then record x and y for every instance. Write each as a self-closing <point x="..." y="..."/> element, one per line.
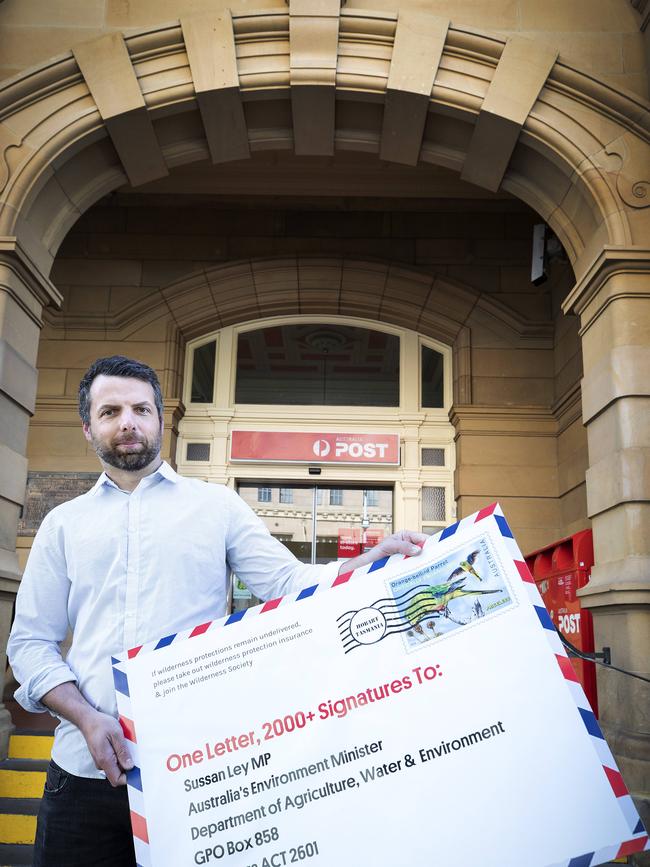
<point x="406" y="88"/>
<point x="504" y="113"/>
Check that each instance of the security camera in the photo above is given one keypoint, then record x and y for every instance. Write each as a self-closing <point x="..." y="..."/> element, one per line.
<point x="538" y="268"/>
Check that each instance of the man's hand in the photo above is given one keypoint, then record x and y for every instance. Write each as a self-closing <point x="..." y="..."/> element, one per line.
<point x="405" y="542"/>
<point x="108" y="747"/>
<point x="102" y="732"/>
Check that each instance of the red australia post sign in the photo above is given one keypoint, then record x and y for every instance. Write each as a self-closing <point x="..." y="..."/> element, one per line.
<point x="309" y="448"/>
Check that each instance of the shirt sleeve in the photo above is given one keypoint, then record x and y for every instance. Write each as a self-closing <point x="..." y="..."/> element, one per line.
<point x="262" y="562"/>
<point x="41" y="621"/>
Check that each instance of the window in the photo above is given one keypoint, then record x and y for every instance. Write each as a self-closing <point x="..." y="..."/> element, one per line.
<point x="372" y="498"/>
<point x="336" y="497"/>
<point x="286" y="495"/>
<point x="433" y="392"/>
<point x="263" y="495"/>
<point x="324" y="365"/>
<point x="203" y="363"/>
<point x="433" y="504"/>
<point x="433" y="457"/>
<point x="198" y="452"/>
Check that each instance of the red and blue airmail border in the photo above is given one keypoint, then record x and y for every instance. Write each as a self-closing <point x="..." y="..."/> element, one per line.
<point x="636" y="841"/>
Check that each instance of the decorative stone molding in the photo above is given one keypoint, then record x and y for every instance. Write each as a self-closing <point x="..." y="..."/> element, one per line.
<point x="27" y="285"/>
<point x="8" y="140"/>
<point x="521" y="72"/>
<point x="609" y="262"/>
<point x="417" y="50"/>
<point x="250" y="289"/>
<point x="568" y="408"/>
<point x="107" y="70"/>
<point x="494" y="420"/>
<point x="291" y="66"/>
<point x="210" y="46"/>
<point x="633" y="179"/>
<point x="313" y="53"/>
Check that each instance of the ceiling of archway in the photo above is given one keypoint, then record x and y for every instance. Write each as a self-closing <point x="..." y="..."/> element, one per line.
<point x="203" y="216"/>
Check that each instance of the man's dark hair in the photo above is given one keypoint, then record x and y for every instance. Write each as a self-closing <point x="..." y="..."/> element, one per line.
<point x="117" y="365"/>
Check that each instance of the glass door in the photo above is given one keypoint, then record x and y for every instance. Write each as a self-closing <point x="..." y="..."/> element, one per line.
<point x="318" y="523"/>
<point x="351" y="520"/>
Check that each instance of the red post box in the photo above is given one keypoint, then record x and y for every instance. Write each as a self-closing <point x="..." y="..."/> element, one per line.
<point x="560" y="570"/>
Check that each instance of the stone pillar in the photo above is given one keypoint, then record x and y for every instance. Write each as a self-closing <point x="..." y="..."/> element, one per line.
<point x="23" y="294"/>
<point x="509" y="454"/>
<point x="613" y="301"/>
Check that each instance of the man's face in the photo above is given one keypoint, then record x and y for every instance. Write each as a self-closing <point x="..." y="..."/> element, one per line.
<point x="124" y="428"/>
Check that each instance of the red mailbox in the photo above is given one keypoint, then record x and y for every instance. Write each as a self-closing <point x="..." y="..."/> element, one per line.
<point x="559" y="571"/>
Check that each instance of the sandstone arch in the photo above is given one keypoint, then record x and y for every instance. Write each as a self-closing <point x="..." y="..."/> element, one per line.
<point x="405" y="88"/>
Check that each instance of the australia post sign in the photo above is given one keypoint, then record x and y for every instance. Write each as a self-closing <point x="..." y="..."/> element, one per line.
<point x="314" y="448"/>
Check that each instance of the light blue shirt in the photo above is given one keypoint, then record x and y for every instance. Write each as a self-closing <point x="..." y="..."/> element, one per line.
<point x="120" y="569"/>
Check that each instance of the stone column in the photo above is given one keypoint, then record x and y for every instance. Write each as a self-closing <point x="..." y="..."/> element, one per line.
<point x="613" y="301"/>
<point x="23" y="294"/>
<point x="509" y="454"/>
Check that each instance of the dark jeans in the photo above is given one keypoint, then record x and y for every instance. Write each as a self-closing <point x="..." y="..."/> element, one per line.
<point x="82" y="823"/>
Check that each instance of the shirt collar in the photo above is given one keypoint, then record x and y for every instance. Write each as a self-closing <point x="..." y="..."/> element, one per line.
<point x="164" y="471"/>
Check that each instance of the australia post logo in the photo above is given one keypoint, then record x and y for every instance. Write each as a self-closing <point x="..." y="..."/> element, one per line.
<point x="302" y="447"/>
<point x="344" y="450"/>
<point x="322" y="448"/>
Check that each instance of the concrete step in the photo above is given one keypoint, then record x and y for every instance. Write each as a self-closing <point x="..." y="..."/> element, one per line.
<point x="17" y="828"/>
<point x="21" y="784"/>
<point x="30" y="746"/>
<point x="15" y="856"/>
<point x="22" y="777"/>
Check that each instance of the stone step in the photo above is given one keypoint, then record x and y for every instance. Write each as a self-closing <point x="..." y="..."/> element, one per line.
<point x="21" y="784"/>
<point x="12" y="855"/>
<point x="22" y="777"/>
<point x="17" y="828"/>
<point x="28" y="746"/>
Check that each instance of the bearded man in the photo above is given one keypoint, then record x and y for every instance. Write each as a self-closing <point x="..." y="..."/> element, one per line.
<point x="145" y="552"/>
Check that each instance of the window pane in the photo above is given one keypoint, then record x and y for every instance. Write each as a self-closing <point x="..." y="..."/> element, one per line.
<point x="198" y="452"/>
<point x="286" y="495"/>
<point x="326" y="365"/>
<point x="432" y="378"/>
<point x="336" y="497"/>
<point x="203" y="373"/>
<point x="433" y="504"/>
<point x="372" y="498"/>
<point x="433" y="457"/>
<point x="287" y="512"/>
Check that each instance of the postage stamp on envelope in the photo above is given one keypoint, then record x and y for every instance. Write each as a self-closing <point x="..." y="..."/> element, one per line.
<point x="462" y="588"/>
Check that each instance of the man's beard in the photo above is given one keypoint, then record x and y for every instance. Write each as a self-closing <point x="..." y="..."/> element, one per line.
<point x="131" y="461"/>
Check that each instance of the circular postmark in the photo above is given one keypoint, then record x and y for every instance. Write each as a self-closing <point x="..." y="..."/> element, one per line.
<point x="368" y="626"/>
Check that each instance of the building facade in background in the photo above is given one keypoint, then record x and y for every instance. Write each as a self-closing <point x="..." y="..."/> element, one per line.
<point x="316" y="222"/>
